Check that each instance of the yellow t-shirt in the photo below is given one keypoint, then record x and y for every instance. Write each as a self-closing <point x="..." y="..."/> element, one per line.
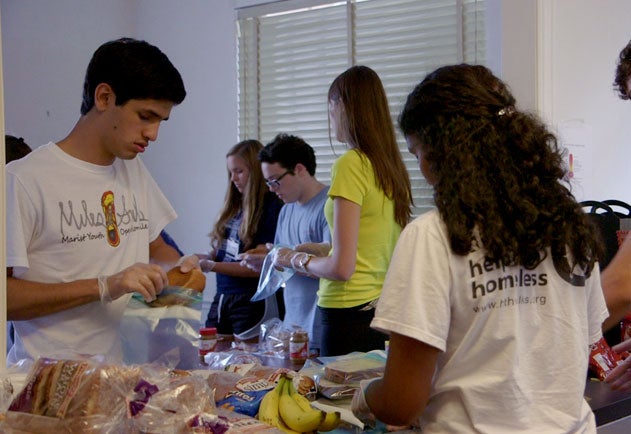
<point x="353" y="178"/>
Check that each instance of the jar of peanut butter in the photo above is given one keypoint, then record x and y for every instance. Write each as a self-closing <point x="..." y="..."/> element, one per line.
<point x="298" y="346"/>
<point x="207" y="342"/>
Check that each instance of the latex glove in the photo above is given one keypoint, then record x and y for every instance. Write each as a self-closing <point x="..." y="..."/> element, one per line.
<point x="283" y="258"/>
<point x="359" y="406"/>
<point x="620" y="377"/>
<point x="288" y="258"/>
<point x="205" y="261"/>
<point x="206" y="265"/>
<point x="316" y="249"/>
<point x="253" y="258"/>
<point x="187" y="263"/>
<point x="146" y="279"/>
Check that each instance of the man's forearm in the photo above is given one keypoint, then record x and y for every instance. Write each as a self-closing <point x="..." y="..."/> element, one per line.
<point x="27" y="299"/>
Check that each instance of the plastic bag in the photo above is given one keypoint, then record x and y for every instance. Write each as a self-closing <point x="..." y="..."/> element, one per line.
<point x="274" y="339"/>
<point x="339" y="376"/>
<point x="271" y="278"/>
<point x="84" y="395"/>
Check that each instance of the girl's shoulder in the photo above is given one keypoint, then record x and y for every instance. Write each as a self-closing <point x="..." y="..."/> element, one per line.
<point x="427" y="222"/>
<point x="353" y="158"/>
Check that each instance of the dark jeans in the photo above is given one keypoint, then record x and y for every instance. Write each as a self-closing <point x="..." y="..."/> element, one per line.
<point x="234" y="313"/>
<point x="347" y="330"/>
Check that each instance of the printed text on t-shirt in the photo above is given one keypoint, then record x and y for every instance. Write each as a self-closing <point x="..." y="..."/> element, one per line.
<point x="520" y="278"/>
<point x="76" y="221"/>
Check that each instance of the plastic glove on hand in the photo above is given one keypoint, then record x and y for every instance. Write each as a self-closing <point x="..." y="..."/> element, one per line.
<point x="253" y="258"/>
<point x="146" y="279"/>
<point x="188" y="262"/>
<point x="207" y="265"/>
<point x="283" y="258"/>
<point x="359" y="406"/>
<point x="253" y="261"/>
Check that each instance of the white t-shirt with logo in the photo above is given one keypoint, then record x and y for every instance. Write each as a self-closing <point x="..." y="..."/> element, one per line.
<point x="514" y="342"/>
<point x="68" y="220"/>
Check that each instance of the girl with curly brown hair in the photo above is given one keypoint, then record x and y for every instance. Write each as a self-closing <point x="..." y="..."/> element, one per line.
<point x="492" y="299"/>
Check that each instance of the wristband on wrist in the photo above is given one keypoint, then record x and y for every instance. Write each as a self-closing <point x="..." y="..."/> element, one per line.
<point x="292" y="261"/>
<point x="207" y="265"/>
<point x="304" y="261"/>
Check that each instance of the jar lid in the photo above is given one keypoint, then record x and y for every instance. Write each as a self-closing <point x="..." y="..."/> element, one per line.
<point x="207" y="331"/>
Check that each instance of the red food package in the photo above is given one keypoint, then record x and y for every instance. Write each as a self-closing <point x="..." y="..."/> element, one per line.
<point x="602" y="359"/>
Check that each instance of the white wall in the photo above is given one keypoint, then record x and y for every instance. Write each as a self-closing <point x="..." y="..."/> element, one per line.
<point x="188" y="160"/>
<point x="46" y="49"/>
<point x="580" y="41"/>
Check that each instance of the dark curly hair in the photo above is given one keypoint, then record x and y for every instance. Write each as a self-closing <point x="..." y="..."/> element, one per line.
<point x="288" y="151"/>
<point x="496" y="171"/>
<point x="623" y="72"/>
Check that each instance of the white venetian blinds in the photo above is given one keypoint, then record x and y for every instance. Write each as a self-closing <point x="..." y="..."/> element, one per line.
<point x="289" y="52"/>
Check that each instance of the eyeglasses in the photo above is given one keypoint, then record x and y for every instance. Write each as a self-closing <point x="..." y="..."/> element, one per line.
<point x="276" y="182"/>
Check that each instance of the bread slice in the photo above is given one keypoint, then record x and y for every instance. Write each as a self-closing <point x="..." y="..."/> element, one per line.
<point x="194" y="279"/>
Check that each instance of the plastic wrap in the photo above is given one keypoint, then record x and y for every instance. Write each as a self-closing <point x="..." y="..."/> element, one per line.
<point x="347" y="370"/>
<point x="354" y="369"/>
<point x="87" y="396"/>
<point x="149" y="332"/>
<point x="174" y="296"/>
<point x="241" y="387"/>
<point x="274" y="339"/>
<point x="271" y="277"/>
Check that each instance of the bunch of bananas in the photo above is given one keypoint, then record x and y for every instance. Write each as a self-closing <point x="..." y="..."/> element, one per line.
<point x="286" y="409"/>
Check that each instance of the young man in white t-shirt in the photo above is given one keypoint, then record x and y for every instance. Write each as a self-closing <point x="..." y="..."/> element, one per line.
<point x="84" y="215"/>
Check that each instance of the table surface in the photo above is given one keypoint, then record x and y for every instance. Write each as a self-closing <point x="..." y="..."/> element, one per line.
<point x="155" y="324"/>
<point x="607" y="404"/>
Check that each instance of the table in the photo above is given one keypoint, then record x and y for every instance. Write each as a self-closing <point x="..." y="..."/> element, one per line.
<point x="610" y="407"/>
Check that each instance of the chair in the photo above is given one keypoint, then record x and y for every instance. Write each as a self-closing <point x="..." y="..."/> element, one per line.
<point x="607" y="222"/>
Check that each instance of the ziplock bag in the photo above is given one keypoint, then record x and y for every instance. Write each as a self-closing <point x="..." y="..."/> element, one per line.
<point x="271" y="278"/>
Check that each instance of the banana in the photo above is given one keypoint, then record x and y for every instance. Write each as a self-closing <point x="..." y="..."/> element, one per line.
<point x="268" y="409"/>
<point x="332" y="418"/>
<point x="302" y="401"/>
<point x="330" y="422"/>
<point x="294" y="415"/>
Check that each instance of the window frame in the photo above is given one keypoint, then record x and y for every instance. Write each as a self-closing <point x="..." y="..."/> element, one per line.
<point x="253" y="55"/>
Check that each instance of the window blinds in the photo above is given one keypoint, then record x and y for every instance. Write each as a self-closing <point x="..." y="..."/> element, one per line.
<point x="289" y="53"/>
